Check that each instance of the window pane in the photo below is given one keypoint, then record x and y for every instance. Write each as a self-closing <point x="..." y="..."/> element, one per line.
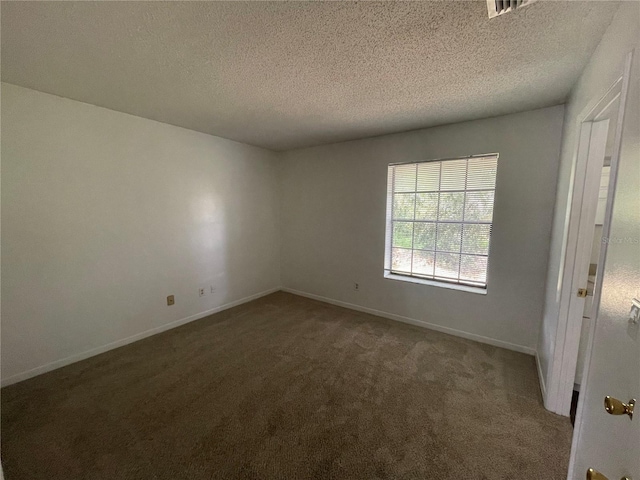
<point x="482" y="173"/>
<point x="403" y="206"/>
<point x="424" y="236"/>
<point x="475" y="239"/>
<point x="447" y="265"/>
<point x="440" y="217"/>
<point x="429" y="176"/>
<point x="473" y="268"/>
<point x="449" y="237"/>
<point x="401" y="260"/>
<point x="453" y="175"/>
<point x="479" y="207"/>
<point x="423" y="263"/>
<point x="427" y="206"/>
<point x="402" y="234"/>
<point x="451" y="206"/>
<point x="404" y="179"/>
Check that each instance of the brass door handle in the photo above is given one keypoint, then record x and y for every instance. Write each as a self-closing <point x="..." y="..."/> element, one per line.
<point x="613" y="406"/>
<point x="595" y="475"/>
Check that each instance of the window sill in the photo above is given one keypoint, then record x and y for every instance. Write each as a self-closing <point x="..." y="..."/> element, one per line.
<point x="434" y="283"/>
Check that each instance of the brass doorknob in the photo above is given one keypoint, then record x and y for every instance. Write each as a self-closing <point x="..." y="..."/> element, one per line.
<point x="614" y="406"/>
<point x="595" y="475"/>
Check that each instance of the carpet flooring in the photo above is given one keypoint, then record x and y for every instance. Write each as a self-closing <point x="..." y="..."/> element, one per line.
<point x="287" y="388"/>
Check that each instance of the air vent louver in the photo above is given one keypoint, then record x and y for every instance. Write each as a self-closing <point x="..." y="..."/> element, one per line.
<point x="498" y="7"/>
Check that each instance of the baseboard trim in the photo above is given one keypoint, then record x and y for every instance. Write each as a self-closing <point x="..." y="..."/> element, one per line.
<point x="413" y="321"/>
<point x="18" y="377"/>
<point x="543" y="387"/>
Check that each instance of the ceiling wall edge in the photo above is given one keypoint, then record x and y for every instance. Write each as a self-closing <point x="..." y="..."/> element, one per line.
<point x="3" y="82"/>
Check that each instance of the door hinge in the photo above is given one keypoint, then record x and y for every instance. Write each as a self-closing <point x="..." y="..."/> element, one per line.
<point x="582" y="292"/>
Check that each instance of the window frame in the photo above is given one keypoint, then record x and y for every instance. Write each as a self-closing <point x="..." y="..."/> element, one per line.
<point x="433" y="280"/>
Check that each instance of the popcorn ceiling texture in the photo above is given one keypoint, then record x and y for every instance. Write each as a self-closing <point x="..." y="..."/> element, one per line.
<point x="283" y="75"/>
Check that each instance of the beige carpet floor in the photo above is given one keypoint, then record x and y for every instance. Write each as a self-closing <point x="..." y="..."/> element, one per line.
<point x="287" y="388"/>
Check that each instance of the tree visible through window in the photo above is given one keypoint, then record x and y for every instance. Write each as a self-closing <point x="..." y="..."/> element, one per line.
<point x="439" y="219"/>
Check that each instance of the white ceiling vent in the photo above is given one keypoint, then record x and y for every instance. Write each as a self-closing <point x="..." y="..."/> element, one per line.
<point x="498" y="7"/>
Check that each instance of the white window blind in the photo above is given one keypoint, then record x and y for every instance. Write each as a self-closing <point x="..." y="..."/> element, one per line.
<point x="439" y="219"/>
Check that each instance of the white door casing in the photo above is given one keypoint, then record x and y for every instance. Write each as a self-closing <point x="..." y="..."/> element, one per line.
<point x="597" y="133"/>
<point x="593" y="129"/>
<point x="607" y="443"/>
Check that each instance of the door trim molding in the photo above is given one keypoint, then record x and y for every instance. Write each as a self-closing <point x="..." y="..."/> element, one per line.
<point x="560" y="383"/>
<point x="543" y="387"/>
<point x="606" y="229"/>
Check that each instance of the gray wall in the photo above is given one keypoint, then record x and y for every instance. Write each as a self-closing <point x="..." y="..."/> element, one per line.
<point x="105" y="214"/>
<point x="604" y="68"/>
<point x="333" y="216"/>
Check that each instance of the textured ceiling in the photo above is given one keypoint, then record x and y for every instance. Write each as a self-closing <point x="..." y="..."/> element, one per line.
<point x="284" y="75"/>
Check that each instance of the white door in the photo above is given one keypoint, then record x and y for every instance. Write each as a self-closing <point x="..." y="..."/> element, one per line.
<point x="610" y="444"/>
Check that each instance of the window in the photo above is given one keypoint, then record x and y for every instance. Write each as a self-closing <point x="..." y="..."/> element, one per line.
<point x="439" y="220"/>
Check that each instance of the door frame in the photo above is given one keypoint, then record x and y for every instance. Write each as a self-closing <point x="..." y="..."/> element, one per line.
<point x="577" y="248"/>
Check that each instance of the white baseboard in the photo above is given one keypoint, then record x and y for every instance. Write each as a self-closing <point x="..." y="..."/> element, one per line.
<point x="419" y="323"/>
<point x="543" y="388"/>
<point x="139" y="336"/>
<point x="125" y="341"/>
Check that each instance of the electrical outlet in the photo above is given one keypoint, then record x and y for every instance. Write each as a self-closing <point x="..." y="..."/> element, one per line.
<point x="171" y="300"/>
<point x="213" y="289"/>
<point x="201" y="292"/>
<point x="356" y="287"/>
